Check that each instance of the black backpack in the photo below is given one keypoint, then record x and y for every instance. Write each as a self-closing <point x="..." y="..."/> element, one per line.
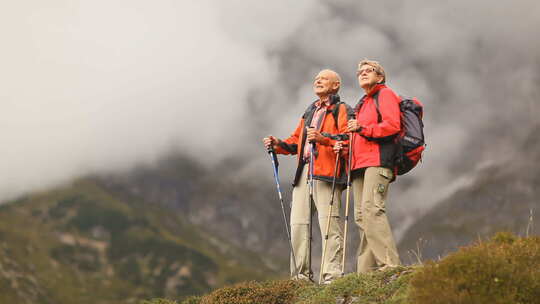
<point x="411" y="139"/>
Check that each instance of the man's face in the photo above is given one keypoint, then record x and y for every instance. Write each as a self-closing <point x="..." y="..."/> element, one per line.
<point x="367" y="76"/>
<point x="325" y="83"/>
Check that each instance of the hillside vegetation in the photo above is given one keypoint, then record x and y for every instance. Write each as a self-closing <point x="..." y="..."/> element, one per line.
<point x="83" y="244"/>
<point x="505" y="269"/>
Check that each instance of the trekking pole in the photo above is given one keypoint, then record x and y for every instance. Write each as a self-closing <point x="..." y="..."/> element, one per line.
<point x="349" y="162"/>
<point x="311" y="202"/>
<point x="329" y="215"/>
<point x="275" y="165"/>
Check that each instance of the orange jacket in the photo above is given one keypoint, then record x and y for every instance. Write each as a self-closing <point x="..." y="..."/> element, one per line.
<point x="325" y="158"/>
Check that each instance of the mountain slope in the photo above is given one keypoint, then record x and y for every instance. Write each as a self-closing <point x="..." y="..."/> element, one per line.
<point x="244" y="211"/>
<point x="82" y="244"/>
<point x="501" y="197"/>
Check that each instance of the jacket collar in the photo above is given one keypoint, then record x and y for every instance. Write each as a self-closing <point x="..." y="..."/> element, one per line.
<point x="376" y="89"/>
<point x="334" y="98"/>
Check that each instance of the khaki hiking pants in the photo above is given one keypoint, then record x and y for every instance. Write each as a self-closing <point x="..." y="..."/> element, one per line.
<point x="377" y="246"/>
<point x="300" y="218"/>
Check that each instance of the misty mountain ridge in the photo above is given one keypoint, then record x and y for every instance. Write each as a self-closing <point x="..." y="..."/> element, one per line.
<point x="243" y="211"/>
<point x="247" y="212"/>
<point x="160" y="231"/>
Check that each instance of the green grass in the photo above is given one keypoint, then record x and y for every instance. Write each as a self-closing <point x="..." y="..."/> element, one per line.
<point x="376" y="287"/>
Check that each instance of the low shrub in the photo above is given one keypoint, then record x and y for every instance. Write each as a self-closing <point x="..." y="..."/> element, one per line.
<point x="158" y="301"/>
<point x="192" y="300"/>
<point x="504" y="270"/>
<point x="271" y="292"/>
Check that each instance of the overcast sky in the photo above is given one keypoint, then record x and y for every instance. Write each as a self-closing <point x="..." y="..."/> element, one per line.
<point x="100" y="86"/>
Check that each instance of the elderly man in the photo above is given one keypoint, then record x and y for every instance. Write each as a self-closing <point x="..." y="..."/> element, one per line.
<point x="323" y="119"/>
<point x="374" y="130"/>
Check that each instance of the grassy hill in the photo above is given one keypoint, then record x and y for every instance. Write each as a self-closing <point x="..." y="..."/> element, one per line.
<point x="83" y="244"/>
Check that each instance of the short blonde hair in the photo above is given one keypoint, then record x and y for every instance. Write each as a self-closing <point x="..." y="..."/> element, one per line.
<point x="376" y="65"/>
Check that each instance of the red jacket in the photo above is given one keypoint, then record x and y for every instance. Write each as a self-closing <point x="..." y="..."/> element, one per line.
<point x="325" y="158"/>
<point x="374" y="145"/>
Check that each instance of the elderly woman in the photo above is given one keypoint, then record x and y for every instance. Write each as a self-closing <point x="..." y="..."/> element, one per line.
<point x="374" y="130"/>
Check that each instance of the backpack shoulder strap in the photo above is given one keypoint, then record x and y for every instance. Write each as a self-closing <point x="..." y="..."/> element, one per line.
<point x="308" y="114"/>
<point x="359" y="104"/>
<point x="376" y="98"/>
<point x="335" y="112"/>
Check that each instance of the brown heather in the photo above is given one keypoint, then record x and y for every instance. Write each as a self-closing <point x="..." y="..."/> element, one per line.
<point x="504" y="270"/>
<point x="275" y="292"/>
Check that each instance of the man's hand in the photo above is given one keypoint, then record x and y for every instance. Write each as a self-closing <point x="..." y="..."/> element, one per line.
<point x="270" y="141"/>
<point x="338" y="147"/>
<point x="314" y="135"/>
<point x="353" y="126"/>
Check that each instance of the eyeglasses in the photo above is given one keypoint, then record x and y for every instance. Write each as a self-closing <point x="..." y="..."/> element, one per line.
<point x="366" y="70"/>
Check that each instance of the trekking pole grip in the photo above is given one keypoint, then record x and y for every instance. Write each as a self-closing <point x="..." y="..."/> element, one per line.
<point x="272" y="153"/>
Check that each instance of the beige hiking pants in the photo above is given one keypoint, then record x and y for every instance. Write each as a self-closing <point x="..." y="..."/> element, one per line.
<point x="377" y="246"/>
<point x="300" y="218"/>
